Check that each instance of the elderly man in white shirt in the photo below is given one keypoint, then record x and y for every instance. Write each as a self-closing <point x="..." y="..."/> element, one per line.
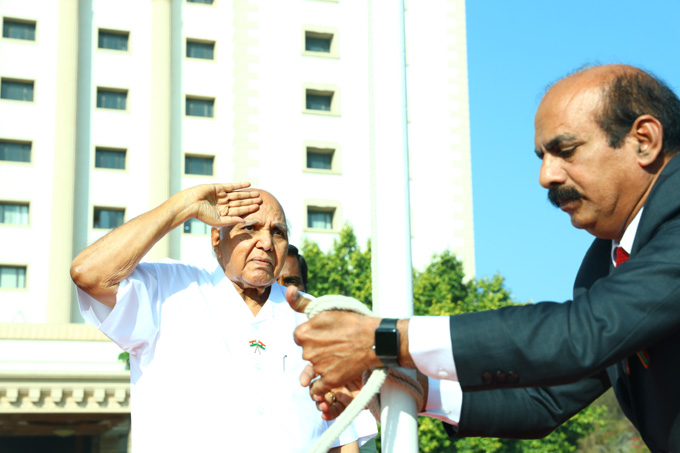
<point x="214" y="366"/>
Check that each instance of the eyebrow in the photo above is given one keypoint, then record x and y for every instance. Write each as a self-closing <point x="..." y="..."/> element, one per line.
<point x="559" y="140"/>
<point x="282" y="226"/>
<point x="279" y="225"/>
<point x="556" y="142"/>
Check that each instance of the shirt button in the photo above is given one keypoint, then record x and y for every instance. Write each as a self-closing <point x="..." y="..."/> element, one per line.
<point x="446" y="410"/>
<point x="443" y="374"/>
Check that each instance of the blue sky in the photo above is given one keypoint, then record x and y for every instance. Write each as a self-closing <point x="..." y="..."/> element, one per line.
<point x="515" y="49"/>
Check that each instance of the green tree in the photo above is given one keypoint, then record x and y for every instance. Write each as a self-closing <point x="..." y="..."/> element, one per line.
<point x="344" y="269"/>
<point x="441" y="289"/>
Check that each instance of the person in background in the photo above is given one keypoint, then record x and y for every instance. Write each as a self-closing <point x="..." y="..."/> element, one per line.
<point x="294" y="270"/>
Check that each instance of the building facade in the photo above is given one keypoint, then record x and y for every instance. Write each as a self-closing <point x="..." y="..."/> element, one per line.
<point x="107" y="108"/>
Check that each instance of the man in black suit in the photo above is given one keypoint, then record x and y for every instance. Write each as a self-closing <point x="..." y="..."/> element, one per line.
<point x="606" y="136"/>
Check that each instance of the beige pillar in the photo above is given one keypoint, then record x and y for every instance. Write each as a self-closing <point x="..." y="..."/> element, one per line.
<point x="61" y="225"/>
<point x="245" y="114"/>
<point x="159" y="122"/>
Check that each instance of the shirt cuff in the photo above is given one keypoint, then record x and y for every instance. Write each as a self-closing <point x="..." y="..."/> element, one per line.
<point x="444" y="401"/>
<point x="429" y="343"/>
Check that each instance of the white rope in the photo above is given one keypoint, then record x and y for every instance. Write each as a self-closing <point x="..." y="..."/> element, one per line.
<point x="372" y="381"/>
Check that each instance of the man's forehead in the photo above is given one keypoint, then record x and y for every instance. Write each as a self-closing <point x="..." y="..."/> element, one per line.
<point x="564" y="111"/>
<point x="292" y="264"/>
<point x="270" y="210"/>
<point x="262" y="217"/>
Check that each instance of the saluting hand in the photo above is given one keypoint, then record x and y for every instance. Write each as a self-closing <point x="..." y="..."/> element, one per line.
<point x="221" y="205"/>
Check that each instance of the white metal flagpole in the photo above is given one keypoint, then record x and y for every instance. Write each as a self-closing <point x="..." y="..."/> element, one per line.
<point x="391" y="236"/>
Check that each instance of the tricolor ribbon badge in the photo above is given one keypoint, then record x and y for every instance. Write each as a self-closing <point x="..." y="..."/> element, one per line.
<point x="258" y="345"/>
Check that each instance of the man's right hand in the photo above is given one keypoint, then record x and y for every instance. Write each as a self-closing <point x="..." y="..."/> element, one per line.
<point x="221" y="205"/>
<point x="339" y="344"/>
<point x="99" y="268"/>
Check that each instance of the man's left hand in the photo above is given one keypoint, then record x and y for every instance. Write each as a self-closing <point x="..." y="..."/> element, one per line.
<point x="336" y="400"/>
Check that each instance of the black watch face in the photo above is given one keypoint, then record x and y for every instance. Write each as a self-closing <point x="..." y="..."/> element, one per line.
<point x="387" y="343"/>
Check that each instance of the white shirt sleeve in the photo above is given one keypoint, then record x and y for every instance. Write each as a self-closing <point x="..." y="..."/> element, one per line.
<point x="444" y="401"/>
<point x="362" y="429"/>
<point x="366" y="426"/>
<point x="429" y="343"/>
<point x="348" y="436"/>
<point x="133" y="323"/>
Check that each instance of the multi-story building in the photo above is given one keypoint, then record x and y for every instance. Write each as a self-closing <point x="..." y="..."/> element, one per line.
<point x="107" y="108"/>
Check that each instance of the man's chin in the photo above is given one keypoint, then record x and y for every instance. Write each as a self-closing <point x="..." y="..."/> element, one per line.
<point x="576" y="224"/>
<point x="259" y="280"/>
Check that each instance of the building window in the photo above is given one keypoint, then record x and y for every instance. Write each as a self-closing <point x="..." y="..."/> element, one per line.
<point x="108" y="218"/>
<point x="200" y="107"/>
<point x="17" y="90"/>
<point x="204" y="50"/>
<point x="321" y="99"/>
<point x="113" y="40"/>
<point x="14" y="213"/>
<point x="318" y="42"/>
<point x="205" y="2"/>
<point x="320" y="218"/>
<point x="320" y="158"/>
<point x="109" y="158"/>
<point x="198" y="165"/>
<point x="195" y="226"/>
<point x="15" y="151"/>
<point x="111" y="99"/>
<point x="18" y="29"/>
<point x="12" y="276"/>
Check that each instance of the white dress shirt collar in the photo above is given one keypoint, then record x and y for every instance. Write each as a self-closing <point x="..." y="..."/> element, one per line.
<point x="628" y="236"/>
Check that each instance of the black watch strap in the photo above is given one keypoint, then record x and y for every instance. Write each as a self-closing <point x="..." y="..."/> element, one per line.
<point x="386" y="344"/>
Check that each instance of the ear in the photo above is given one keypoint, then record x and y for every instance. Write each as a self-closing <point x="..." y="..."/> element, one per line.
<point x="215" y="238"/>
<point x="648" y="132"/>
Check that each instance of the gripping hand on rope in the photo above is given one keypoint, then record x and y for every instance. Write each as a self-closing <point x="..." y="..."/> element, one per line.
<point x="339" y="344"/>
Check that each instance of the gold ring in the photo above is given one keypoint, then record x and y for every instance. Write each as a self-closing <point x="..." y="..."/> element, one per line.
<point x="333" y="398"/>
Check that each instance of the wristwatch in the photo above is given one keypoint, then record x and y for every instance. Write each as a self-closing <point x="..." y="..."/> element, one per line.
<point x="387" y="342"/>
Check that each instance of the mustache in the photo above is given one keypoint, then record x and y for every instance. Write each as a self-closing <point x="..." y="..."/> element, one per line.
<point x="559" y="194"/>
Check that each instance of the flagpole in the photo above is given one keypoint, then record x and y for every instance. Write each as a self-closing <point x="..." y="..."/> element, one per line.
<point x="391" y="232"/>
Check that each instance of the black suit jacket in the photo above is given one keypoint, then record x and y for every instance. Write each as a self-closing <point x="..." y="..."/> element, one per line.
<point x="535" y="366"/>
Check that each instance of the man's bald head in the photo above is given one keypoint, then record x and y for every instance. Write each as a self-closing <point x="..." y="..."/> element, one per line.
<point x="626" y="93"/>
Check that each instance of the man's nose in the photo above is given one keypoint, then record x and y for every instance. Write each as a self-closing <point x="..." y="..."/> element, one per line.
<point x="551" y="172"/>
<point x="264" y="240"/>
